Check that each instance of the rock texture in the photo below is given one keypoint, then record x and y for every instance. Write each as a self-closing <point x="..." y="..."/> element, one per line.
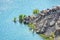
<point x="46" y="22"/>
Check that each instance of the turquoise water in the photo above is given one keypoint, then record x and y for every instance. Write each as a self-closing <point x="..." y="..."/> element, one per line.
<point x="12" y="8"/>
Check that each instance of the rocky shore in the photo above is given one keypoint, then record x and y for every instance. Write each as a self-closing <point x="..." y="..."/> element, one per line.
<point x="47" y="22"/>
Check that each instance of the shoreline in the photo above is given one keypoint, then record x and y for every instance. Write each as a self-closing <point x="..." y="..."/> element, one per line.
<point x="44" y="23"/>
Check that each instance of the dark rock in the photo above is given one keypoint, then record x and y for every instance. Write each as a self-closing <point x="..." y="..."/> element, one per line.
<point x="57" y="32"/>
<point x="46" y="21"/>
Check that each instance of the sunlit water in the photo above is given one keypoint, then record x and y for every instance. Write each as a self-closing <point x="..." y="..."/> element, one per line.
<point x="12" y="8"/>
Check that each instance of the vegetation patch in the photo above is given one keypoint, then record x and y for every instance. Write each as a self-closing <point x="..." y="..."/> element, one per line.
<point x="36" y="11"/>
<point x="31" y="25"/>
<point x="51" y="37"/>
<point x="21" y="18"/>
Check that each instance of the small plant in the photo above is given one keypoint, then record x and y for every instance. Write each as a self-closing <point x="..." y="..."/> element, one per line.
<point x="31" y="25"/>
<point x="14" y="20"/>
<point x="36" y="11"/>
<point x="21" y="18"/>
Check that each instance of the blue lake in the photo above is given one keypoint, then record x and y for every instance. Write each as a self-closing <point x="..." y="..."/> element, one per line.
<point x="12" y="8"/>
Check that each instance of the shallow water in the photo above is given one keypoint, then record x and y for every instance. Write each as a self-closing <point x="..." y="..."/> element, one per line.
<point x="12" y="8"/>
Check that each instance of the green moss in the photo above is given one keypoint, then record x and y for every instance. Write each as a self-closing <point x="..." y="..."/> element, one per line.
<point x="46" y="37"/>
<point x="21" y="18"/>
<point x="42" y="35"/>
<point x="31" y="25"/>
<point x="36" y="11"/>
